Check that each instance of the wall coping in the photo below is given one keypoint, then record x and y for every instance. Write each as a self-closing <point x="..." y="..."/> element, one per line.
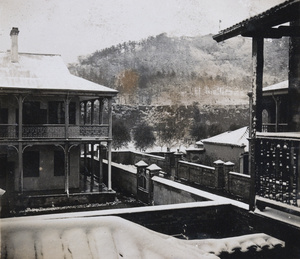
<point x="241" y="175"/>
<point x="198" y="165"/>
<point x="129" y="168"/>
<point x="204" y="194"/>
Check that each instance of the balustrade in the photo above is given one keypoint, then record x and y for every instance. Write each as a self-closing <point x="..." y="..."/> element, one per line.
<point x="10" y="132"/>
<point x="277" y="169"/>
<point x="271" y="127"/>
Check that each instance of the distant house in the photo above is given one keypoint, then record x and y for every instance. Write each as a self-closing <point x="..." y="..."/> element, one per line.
<point x="48" y="120"/>
<point x="193" y="154"/>
<point x="229" y="146"/>
<point x="275" y="107"/>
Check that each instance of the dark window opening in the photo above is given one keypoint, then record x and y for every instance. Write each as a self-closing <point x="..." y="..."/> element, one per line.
<point x="33" y="114"/>
<point x="3" y="116"/>
<point x="57" y="113"/>
<point x="31" y="164"/>
<point x="3" y="166"/>
<point x="59" y="163"/>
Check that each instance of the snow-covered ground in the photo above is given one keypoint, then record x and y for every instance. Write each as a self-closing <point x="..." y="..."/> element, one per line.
<point x="110" y="237"/>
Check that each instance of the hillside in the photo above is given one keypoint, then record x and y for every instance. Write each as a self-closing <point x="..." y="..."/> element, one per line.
<point x="165" y="70"/>
<point x="191" y="87"/>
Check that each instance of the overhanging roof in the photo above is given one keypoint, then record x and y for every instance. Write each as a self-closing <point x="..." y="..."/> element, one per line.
<point x="276" y="89"/>
<point x="262" y="24"/>
<point x="44" y="72"/>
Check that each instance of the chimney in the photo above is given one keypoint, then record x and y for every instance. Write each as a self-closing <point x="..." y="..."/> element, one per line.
<point x="14" y="44"/>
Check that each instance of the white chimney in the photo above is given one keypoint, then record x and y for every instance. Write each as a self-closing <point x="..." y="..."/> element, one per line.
<point x="14" y="44"/>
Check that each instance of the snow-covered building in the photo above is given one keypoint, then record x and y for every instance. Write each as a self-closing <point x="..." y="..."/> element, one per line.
<point x="48" y="120"/>
<point x="273" y="151"/>
<point x="275" y="107"/>
<point x="229" y="146"/>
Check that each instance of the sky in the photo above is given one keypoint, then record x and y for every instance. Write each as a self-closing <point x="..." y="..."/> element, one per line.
<point x="74" y="28"/>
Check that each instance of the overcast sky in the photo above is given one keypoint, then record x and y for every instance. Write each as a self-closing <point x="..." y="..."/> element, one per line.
<point x="79" y="27"/>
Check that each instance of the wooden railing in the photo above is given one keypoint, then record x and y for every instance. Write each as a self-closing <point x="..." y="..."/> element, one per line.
<point x="54" y="131"/>
<point x="277" y="159"/>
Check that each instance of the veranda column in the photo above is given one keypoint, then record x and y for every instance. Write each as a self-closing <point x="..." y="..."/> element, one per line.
<point x="86" y="169"/>
<point x="67" y="101"/>
<point x="84" y="112"/>
<point x="92" y="111"/>
<point x="20" y="133"/>
<point x="100" y="111"/>
<point x="85" y="166"/>
<point x="66" y="169"/>
<point x="294" y="82"/>
<point x="294" y="96"/>
<point x="256" y="109"/>
<point x="100" y="167"/>
<point x="92" y="168"/>
<point x="109" y="142"/>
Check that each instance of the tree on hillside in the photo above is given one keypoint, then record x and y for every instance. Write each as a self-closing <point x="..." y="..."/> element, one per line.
<point x="143" y="136"/>
<point x="121" y="134"/>
<point x="214" y="129"/>
<point x="198" y="131"/>
<point x="127" y="83"/>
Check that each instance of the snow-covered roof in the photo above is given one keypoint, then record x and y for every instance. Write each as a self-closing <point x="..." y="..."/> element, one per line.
<point x="43" y="72"/>
<point x="279" y="88"/>
<point x="236" y="138"/>
<point x="113" y="237"/>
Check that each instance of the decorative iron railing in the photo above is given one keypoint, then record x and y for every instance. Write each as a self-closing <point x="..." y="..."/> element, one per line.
<point x="10" y="132"/>
<point x="272" y="127"/>
<point x="277" y="169"/>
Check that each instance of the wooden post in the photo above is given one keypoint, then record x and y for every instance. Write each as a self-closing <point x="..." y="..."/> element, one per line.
<point x="109" y="142"/>
<point x="67" y="101"/>
<point x="20" y="132"/>
<point x="109" y="166"/>
<point x="92" y="168"/>
<point x="66" y="169"/>
<point x="84" y="112"/>
<point x="92" y="111"/>
<point x="100" y="111"/>
<point x="85" y="166"/>
<point x="100" y="167"/>
<point x="294" y="82"/>
<point x="256" y="109"/>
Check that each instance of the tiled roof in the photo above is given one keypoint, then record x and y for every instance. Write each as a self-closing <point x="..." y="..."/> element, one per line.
<point x="38" y="71"/>
<point x="279" y="14"/>
<point x="233" y="138"/>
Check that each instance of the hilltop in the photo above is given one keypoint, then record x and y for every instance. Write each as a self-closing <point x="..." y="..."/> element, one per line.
<point x="165" y="70"/>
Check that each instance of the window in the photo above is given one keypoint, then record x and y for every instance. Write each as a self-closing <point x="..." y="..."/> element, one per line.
<point x="57" y="113"/>
<point x="3" y="116"/>
<point x="59" y="163"/>
<point x="31" y="164"/>
<point x="33" y="114"/>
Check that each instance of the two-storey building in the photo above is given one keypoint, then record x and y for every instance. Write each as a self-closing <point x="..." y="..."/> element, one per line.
<point x="49" y="119"/>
